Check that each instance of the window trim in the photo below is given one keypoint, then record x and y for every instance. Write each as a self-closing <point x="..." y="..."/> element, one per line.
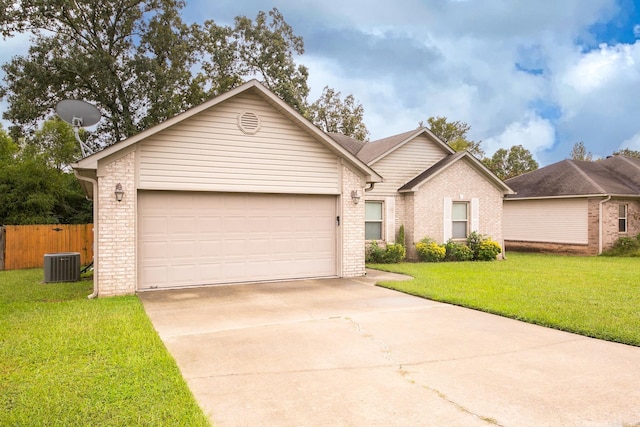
<point x="381" y="221"/>
<point x="623" y="220"/>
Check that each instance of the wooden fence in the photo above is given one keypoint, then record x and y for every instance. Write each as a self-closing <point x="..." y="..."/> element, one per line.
<point x="24" y="246"/>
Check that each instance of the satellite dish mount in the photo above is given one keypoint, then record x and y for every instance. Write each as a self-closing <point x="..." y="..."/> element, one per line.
<point x="78" y="114"/>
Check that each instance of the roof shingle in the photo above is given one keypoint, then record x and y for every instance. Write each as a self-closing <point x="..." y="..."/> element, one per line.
<point x="615" y="175"/>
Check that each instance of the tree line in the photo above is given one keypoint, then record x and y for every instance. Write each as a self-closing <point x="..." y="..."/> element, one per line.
<point x="141" y="64"/>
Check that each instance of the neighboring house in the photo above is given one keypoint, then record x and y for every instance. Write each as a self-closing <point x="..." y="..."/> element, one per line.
<point x="574" y="206"/>
<point x="239" y="189"/>
<point x="430" y="189"/>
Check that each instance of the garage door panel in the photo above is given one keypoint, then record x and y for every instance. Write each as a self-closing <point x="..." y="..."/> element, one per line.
<point x="182" y="249"/>
<point x="189" y="239"/>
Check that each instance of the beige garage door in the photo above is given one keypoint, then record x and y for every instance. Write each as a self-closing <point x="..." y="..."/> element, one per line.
<point x="192" y="238"/>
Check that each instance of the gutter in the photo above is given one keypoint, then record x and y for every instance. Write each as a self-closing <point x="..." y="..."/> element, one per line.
<point x="602" y="202"/>
<point x="93" y="182"/>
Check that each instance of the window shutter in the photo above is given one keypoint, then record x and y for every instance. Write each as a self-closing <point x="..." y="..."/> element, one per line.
<point x="475" y="215"/>
<point x="447" y="225"/>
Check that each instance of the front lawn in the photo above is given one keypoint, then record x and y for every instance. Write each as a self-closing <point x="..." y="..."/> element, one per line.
<point x="594" y="296"/>
<point x="69" y="361"/>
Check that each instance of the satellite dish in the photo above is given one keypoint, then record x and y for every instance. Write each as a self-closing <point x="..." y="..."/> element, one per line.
<point x="78" y="114"/>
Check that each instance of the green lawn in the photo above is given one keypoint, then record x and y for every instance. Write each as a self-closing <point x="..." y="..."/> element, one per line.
<point x="594" y="296"/>
<point x="66" y="360"/>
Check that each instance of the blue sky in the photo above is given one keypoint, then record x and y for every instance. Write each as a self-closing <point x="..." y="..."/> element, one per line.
<point x="545" y="74"/>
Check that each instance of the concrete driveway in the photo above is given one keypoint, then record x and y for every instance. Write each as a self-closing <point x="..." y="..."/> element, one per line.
<point x="342" y="352"/>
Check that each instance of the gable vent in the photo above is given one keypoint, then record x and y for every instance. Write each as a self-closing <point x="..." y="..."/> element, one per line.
<point x="249" y="122"/>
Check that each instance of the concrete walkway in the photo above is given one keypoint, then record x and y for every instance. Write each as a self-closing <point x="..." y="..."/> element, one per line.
<point x="341" y="352"/>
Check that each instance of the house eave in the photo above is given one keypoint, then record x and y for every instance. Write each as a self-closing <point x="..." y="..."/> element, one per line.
<point x="574" y="196"/>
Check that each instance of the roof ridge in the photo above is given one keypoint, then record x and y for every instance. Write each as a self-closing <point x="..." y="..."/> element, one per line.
<point x="586" y="176"/>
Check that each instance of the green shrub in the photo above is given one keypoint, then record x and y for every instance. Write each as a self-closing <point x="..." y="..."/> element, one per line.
<point x="488" y="250"/>
<point x="374" y="254"/>
<point x="392" y="253"/>
<point x="400" y="238"/>
<point x="625" y="246"/>
<point x="473" y="242"/>
<point x="457" y="252"/>
<point x="395" y="253"/>
<point x="429" y="251"/>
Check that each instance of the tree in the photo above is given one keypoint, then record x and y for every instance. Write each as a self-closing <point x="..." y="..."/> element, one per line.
<point x="331" y="114"/>
<point x="262" y="49"/>
<point x="627" y="152"/>
<point x="454" y="134"/>
<point x="134" y="59"/>
<point x="35" y="191"/>
<point x="579" y="152"/>
<point x="512" y="162"/>
<point x="55" y="142"/>
<point x="8" y="148"/>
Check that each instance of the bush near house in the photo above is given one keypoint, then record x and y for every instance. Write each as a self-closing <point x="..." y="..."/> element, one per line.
<point x="478" y="248"/>
<point x="429" y="251"/>
<point x="457" y="251"/>
<point x="389" y="254"/>
<point x="625" y="246"/>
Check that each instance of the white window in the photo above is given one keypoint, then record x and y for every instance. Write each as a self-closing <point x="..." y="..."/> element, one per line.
<point x="622" y="218"/>
<point x="373" y="220"/>
<point x="459" y="220"/>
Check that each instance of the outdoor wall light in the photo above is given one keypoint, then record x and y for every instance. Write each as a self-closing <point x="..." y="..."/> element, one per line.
<point x="355" y="196"/>
<point x="119" y="192"/>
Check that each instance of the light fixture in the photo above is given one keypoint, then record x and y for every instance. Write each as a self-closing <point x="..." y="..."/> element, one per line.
<point x="119" y="192"/>
<point x="355" y="196"/>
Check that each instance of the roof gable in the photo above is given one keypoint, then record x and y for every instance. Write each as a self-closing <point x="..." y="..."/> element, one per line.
<point x="613" y="176"/>
<point x="254" y="87"/>
<point x="371" y="152"/>
<point x="447" y="162"/>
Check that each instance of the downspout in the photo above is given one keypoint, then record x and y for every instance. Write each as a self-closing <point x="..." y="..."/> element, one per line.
<point x="367" y="189"/>
<point x="602" y="202"/>
<point x="95" y="232"/>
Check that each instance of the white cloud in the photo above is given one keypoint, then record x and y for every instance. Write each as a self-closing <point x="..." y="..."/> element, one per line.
<point x="636" y="30"/>
<point x="533" y="132"/>
<point x="632" y="143"/>
<point x="598" y="68"/>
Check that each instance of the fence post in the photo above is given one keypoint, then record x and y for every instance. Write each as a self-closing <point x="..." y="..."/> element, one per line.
<point x="2" y="246"/>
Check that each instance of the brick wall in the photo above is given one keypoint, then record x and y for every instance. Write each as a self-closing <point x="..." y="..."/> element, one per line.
<point x="352" y="224"/>
<point x="610" y="216"/>
<point x="459" y="182"/>
<point x="545" y="247"/>
<point x="116" y="228"/>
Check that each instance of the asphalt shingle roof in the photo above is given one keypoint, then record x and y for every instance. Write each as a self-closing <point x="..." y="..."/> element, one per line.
<point x="352" y="145"/>
<point x="614" y="175"/>
<point x="372" y="150"/>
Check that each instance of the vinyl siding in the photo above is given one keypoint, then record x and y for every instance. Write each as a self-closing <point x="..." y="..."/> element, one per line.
<point x="405" y="163"/>
<point x="209" y="152"/>
<point x="553" y="221"/>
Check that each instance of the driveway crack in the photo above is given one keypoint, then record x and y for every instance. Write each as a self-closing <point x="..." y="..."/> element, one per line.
<point x="406" y="375"/>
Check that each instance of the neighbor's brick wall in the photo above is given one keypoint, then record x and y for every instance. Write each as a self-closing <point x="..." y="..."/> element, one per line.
<point x="116" y="228"/>
<point x="610" y="213"/>
<point x="546" y="247"/>
<point x="352" y="223"/>
<point x="460" y="182"/>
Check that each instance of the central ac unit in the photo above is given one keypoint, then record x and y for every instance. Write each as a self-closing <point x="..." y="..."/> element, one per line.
<point x="62" y="267"/>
